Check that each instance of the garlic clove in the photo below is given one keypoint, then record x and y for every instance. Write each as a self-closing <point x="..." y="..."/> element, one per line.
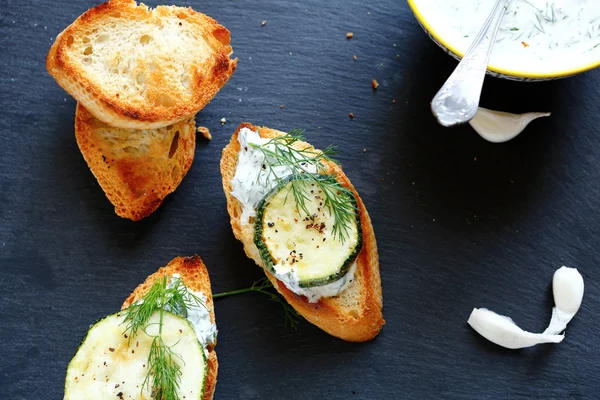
<point x="504" y="332"/>
<point x="567" y="287"/>
<point x="499" y="126"/>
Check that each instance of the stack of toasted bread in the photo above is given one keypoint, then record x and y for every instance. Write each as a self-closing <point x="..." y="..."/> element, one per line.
<point x="140" y="75"/>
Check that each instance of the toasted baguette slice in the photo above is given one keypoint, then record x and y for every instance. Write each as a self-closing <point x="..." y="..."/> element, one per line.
<point x="195" y="276"/>
<point x="138" y="68"/>
<point x="136" y="169"/>
<point x="356" y="314"/>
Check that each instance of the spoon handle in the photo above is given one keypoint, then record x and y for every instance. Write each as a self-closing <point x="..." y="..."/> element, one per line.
<point x="457" y="101"/>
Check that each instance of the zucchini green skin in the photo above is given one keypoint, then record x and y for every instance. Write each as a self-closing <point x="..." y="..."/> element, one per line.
<point x="119" y="314"/>
<point x="264" y="250"/>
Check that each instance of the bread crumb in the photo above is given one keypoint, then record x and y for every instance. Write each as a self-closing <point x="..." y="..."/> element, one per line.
<point x="374" y="84"/>
<point x="351" y="115"/>
<point x="355" y="58"/>
<point x="365" y="150"/>
<point x="525" y="44"/>
<point x="205" y="132"/>
<point x="223" y="121"/>
<point x="281" y="106"/>
<point x="349" y="35"/>
<point x="474" y="158"/>
<point x="263" y="23"/>
<point x="393" y="100"/>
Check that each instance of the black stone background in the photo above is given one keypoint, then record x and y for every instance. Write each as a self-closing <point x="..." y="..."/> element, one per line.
<point x="460" y="222"/>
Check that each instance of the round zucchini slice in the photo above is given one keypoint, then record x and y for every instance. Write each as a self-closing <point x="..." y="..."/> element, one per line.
<point x="305" y="247"/>
<point x="108" y="365"/>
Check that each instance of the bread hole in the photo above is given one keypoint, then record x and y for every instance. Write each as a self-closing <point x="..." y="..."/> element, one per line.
<point x="102" y="38"/>
<point x="88" y="50"/>
<point x="145" y="39"/>
<point x="165" y="101"/>
<point x="182" y="15"/>
<point x="129" y="149"/>
<point x="86" y="60"/>
<point x="70" y="40"/>
<point x="85" y="39"/>
<point x="174" y="144"/>
<point x="222" y="35"/>
<point x="140" y="79"/>
<point x="125" y="87"/>
<point x="354" y="314"/>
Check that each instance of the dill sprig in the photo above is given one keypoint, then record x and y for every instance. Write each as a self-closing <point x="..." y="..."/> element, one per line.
<point x="265" y="287"/>
<point x="164" y="372"/>
<point x="281" y="151"/>
<point x="176" y="298"/>
<point x="163" y="368"/>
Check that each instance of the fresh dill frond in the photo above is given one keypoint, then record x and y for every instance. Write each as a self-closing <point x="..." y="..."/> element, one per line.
<point x="281" y="151"/>
<point x="175" y="298"/>
<point x="138" y="314"/>
<point x="265" y="287"/>
<point x="164" y="372"/>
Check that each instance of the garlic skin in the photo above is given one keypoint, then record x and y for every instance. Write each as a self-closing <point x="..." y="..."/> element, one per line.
<point x="499" y="126"/>
<point x="504" y="332"/>
<point x="568" y="288"/>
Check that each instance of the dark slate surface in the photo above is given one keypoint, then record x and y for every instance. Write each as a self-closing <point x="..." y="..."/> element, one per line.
<point x="461" y="223"/>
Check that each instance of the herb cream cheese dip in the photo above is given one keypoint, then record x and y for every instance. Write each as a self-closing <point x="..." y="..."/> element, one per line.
<point x="535" y="36"/>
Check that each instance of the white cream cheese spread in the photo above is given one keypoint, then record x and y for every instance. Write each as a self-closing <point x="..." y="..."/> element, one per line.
<point x="314" y="293"/>
<point x="250" y="184"/>
<point x="199" y="318"/>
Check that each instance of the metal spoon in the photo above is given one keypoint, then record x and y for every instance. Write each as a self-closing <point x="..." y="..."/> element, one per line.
<point x="457" y="101"/>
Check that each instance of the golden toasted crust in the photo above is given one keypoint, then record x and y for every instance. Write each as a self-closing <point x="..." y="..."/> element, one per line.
<point x="136" y="169"/>
<point x="335" y="315"/>
<point x="141" y="83"/>
<point x="195" y="276"/>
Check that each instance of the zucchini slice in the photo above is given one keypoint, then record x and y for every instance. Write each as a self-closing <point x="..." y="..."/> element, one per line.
<point x="291" y="243"/>
<point x="108" y="365"/>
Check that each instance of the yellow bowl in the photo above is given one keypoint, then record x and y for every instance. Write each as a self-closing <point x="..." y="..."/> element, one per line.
<point x="505" y="73"/>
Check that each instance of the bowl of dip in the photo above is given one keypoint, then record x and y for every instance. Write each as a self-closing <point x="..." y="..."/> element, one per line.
<point x="538" y="39"/>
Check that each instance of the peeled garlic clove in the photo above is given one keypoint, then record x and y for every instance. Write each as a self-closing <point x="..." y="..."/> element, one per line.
<point x="567" y="286"/>
<point x="504" y="332"/>
<point x="498" y="126"/>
